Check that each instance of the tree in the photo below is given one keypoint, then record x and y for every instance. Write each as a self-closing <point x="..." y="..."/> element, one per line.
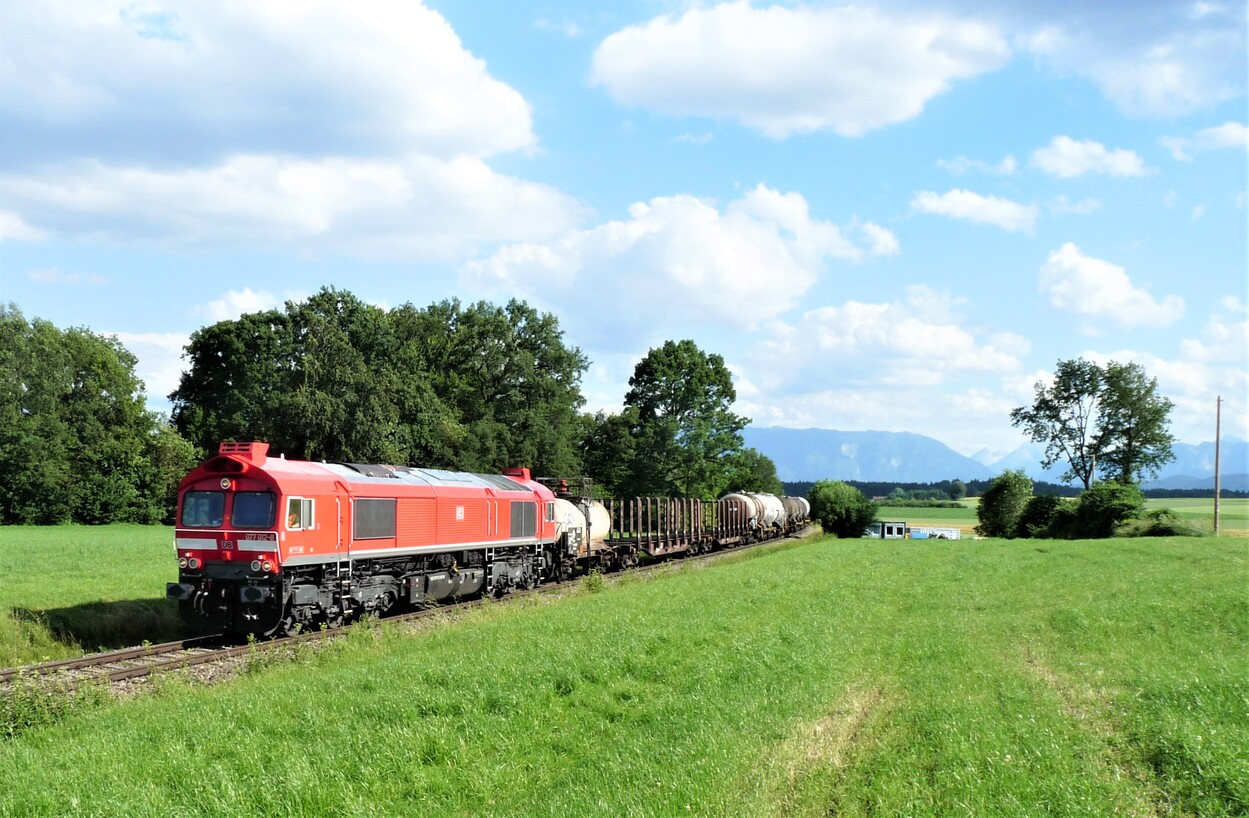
<point x="1002" y="504"/>
<point x="77" y="443"/>
<point x="609" y="449"/>
<point x="1134" y="440"/>
<point x="1064" y="415"/>
<point x="958" y="490"/>
<point x="1107" y="420"/>
<point x="685" y="429"/>
<point x="840" y="509"/>
<point x="751" y="470"/>
<point x="477" y="388"/>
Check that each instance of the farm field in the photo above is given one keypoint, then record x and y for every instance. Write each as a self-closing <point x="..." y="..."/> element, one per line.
<point x="846" y="677"/>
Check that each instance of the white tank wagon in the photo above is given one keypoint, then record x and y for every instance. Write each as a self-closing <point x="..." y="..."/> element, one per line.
<point x="774" y="515"/>
<point x="570" y="521"/>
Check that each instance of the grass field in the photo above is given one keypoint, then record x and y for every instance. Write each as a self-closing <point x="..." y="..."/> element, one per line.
<point x="67" y="589"/>
<point x="834" y="677"/>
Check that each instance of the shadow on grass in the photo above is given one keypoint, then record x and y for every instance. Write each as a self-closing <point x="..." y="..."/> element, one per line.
<point x="111" y="625"/>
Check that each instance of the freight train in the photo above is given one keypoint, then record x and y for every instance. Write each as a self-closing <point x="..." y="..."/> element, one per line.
<point x="268" y="546"/>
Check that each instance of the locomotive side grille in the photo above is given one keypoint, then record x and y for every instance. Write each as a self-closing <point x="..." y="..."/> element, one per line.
<point x="524" y="519"/>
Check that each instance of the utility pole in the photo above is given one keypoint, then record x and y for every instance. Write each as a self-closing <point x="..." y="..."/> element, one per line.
<point x="1218" y="417"/>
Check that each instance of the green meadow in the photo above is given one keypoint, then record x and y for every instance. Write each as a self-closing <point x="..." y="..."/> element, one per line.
<point x="851" y="677"/>
<point x="65" y="590"/>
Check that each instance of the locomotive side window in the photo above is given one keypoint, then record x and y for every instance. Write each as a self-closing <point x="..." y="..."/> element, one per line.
<point x="550" y="512"/>
<point x="374" y="519"/>
<point x="203" y="509"/>
<point x="254" y="509"/>
<point x="298" y="513"/>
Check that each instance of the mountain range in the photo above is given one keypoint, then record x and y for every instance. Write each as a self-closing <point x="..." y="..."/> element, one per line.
<point x="828" y="454"/>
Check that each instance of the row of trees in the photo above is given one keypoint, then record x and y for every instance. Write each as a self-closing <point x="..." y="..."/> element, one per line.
<point x="473" y="388"/>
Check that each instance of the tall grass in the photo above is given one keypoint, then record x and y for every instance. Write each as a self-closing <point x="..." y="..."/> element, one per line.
<point x="836" y="677"/>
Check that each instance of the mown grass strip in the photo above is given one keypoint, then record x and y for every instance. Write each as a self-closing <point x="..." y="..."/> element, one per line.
<point x="837" y="677"/>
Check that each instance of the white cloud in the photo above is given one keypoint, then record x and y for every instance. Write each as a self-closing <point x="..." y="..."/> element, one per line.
<point x="1168" y="71"/>
<point x="920" y="341"/>
<point x="678" y="258"/>
<point x="1066" y="158"/>
<point x="55" y="275"/>
<point x="784" y="70"/>
<point x="1085" y="206"/>
<point x="236" y="303"/>
<point x="159" y="365"/>
<point x="1095" y="288"/>
<point x="420" y="207"/>
<point x="964" y="204"/>
<point x="14" y="228"/>
<point x="192" y="82"/>
<point x="1225" y="337"/>
<point x="962" y="164"/>
<point x="918" y="337"/>
<point x="1227" y="135"/>
<point x="351" y="126"/>
<point x="565" y="28"/>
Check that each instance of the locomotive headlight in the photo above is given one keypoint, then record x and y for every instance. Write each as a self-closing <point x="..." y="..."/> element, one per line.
<point x="255" y="565"/>
<point x="192" y="563"/>
<point x="267" y="566"/>
<point x="182" y="562"/>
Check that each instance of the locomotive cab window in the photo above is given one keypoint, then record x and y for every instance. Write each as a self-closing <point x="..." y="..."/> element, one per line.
<point x="550" y="512"/>
<point x="203" y="509"/>
<point x="254" y="509"/>
<point x="299" y="513"/>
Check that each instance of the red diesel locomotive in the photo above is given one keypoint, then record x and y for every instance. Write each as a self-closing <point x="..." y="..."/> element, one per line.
<point x="267" y="545"/>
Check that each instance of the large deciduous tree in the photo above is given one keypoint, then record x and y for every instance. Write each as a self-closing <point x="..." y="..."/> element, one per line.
<point x="1107" y="420"/>
<point x="1134" y="439"/>
<point x="685" y="429"/>
<point x="477" y="388"/>
<point x="77" y="442"/>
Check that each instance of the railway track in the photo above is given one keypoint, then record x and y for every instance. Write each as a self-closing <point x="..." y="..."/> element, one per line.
<point x="115" y="667"/>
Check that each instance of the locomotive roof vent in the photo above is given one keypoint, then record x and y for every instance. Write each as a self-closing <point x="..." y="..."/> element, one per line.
<point x="254" y="452"/>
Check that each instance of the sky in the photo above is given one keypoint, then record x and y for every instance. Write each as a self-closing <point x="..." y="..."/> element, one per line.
<point x="893" y="216"/>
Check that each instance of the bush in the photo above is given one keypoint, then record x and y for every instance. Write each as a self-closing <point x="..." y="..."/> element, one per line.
<point x="1162" y="522"/>
<point x="1038" y="514"/>
<point x="1002" y="504"/>
<point x="840" y="509"/>
<point x="1103" y="506"/>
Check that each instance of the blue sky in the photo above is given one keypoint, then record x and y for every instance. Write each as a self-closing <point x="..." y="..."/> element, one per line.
<point x="894" y="216"/>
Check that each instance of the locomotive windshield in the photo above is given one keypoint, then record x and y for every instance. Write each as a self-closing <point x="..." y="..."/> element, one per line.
<point x="253" y="509"/>
<point x="203" y="509"/>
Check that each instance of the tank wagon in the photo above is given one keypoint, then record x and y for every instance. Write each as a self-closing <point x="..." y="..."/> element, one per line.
<point x="267" y="545"/>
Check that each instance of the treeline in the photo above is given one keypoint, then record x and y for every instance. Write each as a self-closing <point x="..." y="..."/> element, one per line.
<point x="77" y="442"/>
<point x="470" y="388"/>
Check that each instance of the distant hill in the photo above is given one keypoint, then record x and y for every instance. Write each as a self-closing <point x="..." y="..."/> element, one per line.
<point x="827" y="454"/>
